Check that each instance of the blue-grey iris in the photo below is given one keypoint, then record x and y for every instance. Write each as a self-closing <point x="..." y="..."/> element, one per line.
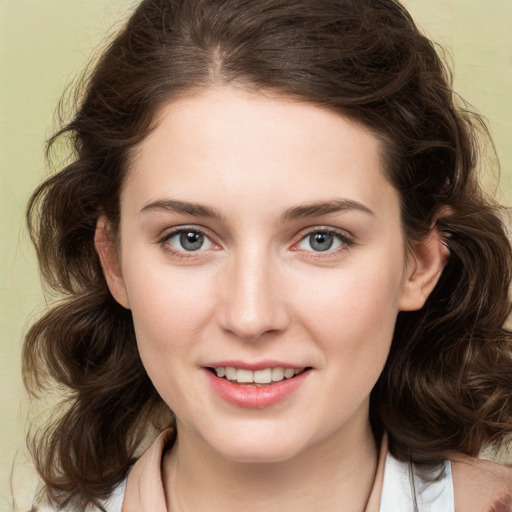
<point x="321" y="241"/>
<point x="191" y="241"/>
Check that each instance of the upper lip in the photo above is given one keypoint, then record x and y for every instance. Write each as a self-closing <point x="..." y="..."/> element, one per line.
<point x="260" y="365"/>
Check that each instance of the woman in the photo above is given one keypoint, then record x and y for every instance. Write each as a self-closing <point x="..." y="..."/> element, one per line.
<point x="273" y="228"/>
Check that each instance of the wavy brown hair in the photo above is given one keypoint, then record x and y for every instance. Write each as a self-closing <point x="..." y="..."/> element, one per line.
<point x="447" y="384"/>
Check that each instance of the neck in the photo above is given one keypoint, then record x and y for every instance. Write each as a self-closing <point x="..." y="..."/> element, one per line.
<point x="335" y="474"/>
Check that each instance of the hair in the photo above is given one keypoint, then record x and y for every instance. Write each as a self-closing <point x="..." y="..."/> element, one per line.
<point x="447" y="385"/>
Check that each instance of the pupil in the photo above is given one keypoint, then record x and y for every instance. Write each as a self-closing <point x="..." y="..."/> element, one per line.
<point x="191" y="241"/>
<point x="321" y="241"/>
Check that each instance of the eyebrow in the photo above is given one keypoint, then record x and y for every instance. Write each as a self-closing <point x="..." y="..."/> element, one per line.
<point x="323" y="208"/>
<point x="195" y="209"/>
<point x="295" y="213"/>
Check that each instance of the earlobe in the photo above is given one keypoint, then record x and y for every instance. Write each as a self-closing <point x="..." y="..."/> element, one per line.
<point x="425" y="265"/>
<point x="109" y="258"/>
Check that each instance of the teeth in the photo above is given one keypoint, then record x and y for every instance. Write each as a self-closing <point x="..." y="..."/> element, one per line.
<point x="289" y="373"/>
<point x="277" y="374"/>
<point x="244" y="376"/>
<point x="230" y="373"/>
<point x="265" y="376"/>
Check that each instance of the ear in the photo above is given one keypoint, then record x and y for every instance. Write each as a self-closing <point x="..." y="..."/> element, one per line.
<point x="110" y="263"/>
<point x="425" y="265"/>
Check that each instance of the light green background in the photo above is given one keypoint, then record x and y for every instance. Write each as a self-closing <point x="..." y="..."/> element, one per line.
<point x="45" y="43"/>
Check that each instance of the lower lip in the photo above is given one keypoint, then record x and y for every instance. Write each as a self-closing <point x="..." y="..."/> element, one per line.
<point x="255" y="397"/>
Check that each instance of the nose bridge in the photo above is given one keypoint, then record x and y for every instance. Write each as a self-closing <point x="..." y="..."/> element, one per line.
<point x="252" y="300"/>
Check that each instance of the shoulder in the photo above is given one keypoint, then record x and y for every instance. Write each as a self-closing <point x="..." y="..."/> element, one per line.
<point x="481" y="486"/>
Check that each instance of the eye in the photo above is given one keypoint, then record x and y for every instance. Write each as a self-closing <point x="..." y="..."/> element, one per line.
<point x="187" y="240"/>
<point x="323" y="241"/>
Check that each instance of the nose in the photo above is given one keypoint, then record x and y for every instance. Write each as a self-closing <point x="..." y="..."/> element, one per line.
<point x="253" y="301"/>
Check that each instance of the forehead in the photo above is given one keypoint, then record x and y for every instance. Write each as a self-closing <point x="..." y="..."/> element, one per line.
<point x="232" y="144"/>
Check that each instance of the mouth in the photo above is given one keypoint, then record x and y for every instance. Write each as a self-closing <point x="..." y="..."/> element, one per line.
<point x="257" y="385"/>
<point x="262" y="377"/>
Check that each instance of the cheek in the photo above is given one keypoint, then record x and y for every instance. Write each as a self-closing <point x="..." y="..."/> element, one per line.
<point x="352" y="316"/>
<point x="169" y="305"/>
<point x="352" y="320"/>
<point x="169" y="310"/>
<point x="352" y="303"/>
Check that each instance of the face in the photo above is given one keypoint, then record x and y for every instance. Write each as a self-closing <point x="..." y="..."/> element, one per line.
<point x="262" y="256"/>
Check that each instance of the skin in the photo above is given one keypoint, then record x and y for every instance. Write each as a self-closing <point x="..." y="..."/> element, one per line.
<point x="481" y="485"/>
<point x="258" y="290"/>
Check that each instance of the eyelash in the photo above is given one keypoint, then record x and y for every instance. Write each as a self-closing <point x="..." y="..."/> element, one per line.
<point x="346" y="242"/>
<point x="181" y="255"/>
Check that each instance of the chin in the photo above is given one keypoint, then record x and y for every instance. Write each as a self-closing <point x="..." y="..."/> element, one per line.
<point x="260" y="446"/>
<point x="258" y="454"/>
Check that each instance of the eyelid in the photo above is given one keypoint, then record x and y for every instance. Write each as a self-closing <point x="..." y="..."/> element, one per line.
<point x="176" y="230"/>
<point x="346" y="238"/>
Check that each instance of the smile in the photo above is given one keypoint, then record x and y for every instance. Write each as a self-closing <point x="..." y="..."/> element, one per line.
<point x="259" y="387"/>
<point x="263" y="376"/>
